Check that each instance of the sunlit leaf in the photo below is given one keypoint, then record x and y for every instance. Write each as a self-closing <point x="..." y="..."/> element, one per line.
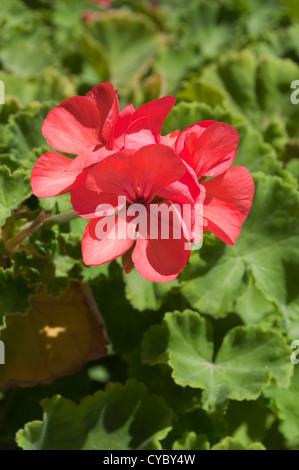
<point x="245" y="363"/>
<point x="55" y="338"/>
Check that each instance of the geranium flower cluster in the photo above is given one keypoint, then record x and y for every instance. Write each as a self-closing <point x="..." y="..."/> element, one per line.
<point x="122" y="162"/>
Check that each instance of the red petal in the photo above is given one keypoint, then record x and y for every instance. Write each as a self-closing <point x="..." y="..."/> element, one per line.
<point x="90" y="157"/>
<point x="156" y="112"/>
<point x="73" y="126"/>
<point x="161" y="260"/>
<point x="49" y="177"/>
<point x="127" y="262"/>
<point x="105" y="98"/>
<point x="235" y="186"/>
<point x="215" y="150"/>
<point x="114" y="174"/>
<point x="121" y="126"/>
<point x="170" y="139"/>
<point x="147" y="121"/>
<point x="186" y="190"/>
<point x="138" y="176"/>
<point x="224" y="220"/>
<point x="198" y="225"/>
<point x="189" y="137"/>
<point x="138" y="135"/>
<point x="157" y="166"/>
<point x="97" y="251"/>
<point x="192" y="215"/>
<point x="97" y="153"/>
<point x="93" y="204"/>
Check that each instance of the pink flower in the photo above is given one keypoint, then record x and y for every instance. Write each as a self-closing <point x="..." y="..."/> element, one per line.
<point x="141" y="177"/>
<point x="92" y="127"/>
<point x="210" y="147"/>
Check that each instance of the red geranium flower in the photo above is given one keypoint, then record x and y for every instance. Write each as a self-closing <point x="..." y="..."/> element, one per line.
<point x="142" y="178"/>
<point x="122" y="160"/>
<point x="210" y="147"/>
<point x="91" y="127"/>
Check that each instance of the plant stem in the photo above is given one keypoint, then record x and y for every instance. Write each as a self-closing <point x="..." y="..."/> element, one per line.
<point x="12" y="243"/>
<point x="42" y="218"/>
<point x="61" y="218"/>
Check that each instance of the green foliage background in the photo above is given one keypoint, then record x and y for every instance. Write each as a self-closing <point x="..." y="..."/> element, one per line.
<point x="202" y="362"/>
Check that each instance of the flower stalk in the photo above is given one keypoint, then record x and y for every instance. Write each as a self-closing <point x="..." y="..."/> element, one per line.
<point x="12" y="244"/>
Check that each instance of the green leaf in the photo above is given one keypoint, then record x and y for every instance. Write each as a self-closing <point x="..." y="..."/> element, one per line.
<point x="67" y="17"/>
<point x="247" y="360"/>
<point x="95" y="55"/>
<point x="25" y="403"/>
<point x="118" y="33"/>
<point x="14" y="294"/>
<point x="24" y="130"/>
<point x="229" y="443"/>
<point x="254" y="308"/>
<point x="250" y="421"/>
<point x="261" y="17"/>
<point x="11" y="106"/>
<point x="267" y="250"/>
<point x="50" y="258"/>
<point x="92" y="272"/>
<point x="173" y="64"/>
<point x="123" y="417"/>
<point x="213" y="282"/>
<point x="14" y="189"/>
<point x="254" y="153"/>
<point x="12" y="7"/>
<point x="144" y="294"/>
<point x="125" y="325"/>
<point x="49" y="85"/>
<point x="159" y="381"/>
<point x="185" y="114"/>
<point x="284" y="405"/>
<point x="193" y="442"/>
<point x="197" y="91"/>
<point x="28" y="53"/>
<point x="292" y="6"/>
<point x="190" y="441"/>
<point x="205" y="27"/>
<point x="256" y="89"/>
<point x="293" y="167"/>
